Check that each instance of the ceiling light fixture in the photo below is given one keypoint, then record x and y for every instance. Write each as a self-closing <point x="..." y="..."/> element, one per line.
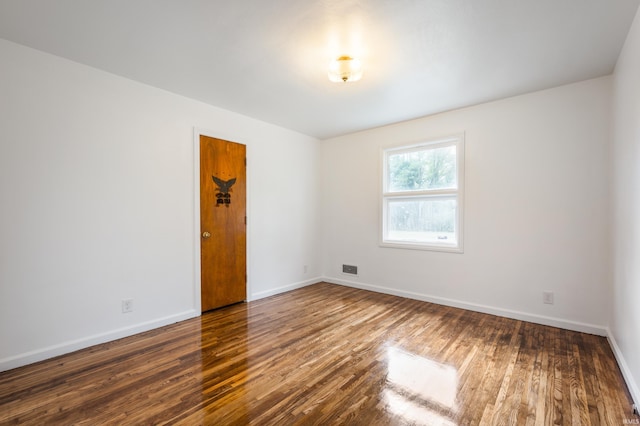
<point x="345" y="69"/>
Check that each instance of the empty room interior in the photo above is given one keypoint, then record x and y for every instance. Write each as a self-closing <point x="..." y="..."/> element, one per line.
<point x="320" y="212"/>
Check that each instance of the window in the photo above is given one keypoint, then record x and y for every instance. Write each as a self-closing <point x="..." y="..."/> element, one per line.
<point x="422" y="195"/>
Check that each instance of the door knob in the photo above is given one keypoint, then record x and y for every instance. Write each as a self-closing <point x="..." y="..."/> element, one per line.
<point x="206" y="234"/>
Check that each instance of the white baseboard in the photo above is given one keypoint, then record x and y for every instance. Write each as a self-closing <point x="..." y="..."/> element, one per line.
<point x="634" y="390"/>
<point x="507" y="313"/>
<point x="284" y="289"/>
<point x="74" y="345"/>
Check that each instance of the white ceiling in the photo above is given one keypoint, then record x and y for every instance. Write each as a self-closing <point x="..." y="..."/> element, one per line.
<point x="269" y="59"/>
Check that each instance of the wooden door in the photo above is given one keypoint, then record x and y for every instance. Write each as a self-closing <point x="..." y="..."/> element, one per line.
<point x="223" y="245"/>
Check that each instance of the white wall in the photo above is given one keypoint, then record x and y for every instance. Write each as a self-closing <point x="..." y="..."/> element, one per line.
<point x="625" y="318"/>
<point x="535" y="218"/>
<point x="97" y="205"/>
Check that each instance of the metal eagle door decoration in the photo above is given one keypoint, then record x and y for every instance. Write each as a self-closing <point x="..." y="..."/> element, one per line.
<point x="224" y="187"/>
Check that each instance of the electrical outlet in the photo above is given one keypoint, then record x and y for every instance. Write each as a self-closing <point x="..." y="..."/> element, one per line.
<point x="305" y="268"/>
<point x="127" y="306"/>
<point x="547" y="297"/>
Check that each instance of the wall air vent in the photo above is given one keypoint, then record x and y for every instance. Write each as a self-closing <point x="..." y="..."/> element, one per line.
<point x="350" y="269"/>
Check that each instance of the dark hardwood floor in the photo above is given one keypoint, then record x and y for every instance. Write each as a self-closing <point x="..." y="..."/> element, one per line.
<point x="325" y="355"/>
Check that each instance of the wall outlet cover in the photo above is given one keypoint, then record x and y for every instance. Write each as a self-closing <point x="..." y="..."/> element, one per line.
<point x="127" y="306"/>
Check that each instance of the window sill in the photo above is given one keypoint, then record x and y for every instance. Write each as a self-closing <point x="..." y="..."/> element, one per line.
<point x="447" y="248"/>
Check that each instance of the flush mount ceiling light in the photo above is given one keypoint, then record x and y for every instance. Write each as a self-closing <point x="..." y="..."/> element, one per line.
<point x="345" y="69"/>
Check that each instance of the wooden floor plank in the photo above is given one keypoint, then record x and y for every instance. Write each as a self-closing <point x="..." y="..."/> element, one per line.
<point x="324" y="355"/>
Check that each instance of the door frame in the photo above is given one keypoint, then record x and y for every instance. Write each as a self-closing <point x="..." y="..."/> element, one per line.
<point x="197" y="266"/>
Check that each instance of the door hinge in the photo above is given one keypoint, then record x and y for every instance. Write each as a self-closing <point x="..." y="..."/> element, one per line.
<point x="245" y="220"/>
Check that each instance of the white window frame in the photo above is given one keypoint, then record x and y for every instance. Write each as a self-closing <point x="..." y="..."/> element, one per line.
<point x="456" y="140"/>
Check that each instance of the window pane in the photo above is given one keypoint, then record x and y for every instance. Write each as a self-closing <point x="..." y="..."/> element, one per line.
<point x="422" y="220"/>
<point x="433" y="168"/>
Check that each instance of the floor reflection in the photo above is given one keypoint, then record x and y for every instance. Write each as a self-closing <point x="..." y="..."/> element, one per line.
<point x="420" y="390"/>
<point x="225" y="362"/>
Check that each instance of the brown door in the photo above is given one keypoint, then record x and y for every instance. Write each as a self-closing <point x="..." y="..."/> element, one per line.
<point x="223" y="245"/>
